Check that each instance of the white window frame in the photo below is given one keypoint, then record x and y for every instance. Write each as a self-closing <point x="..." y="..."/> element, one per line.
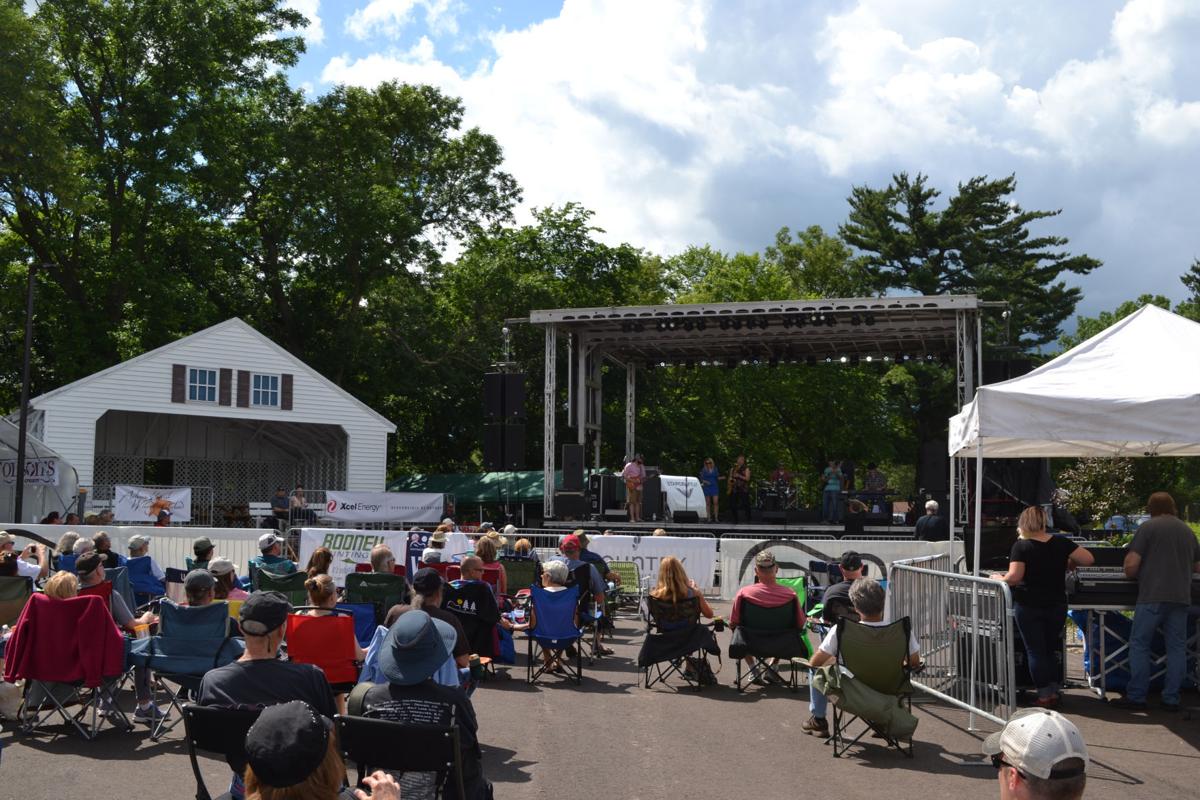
<point x="256" y="393"/>
<point x="192" y="384"/>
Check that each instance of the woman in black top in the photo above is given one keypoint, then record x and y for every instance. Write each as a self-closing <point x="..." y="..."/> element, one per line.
<point x="1037" y="569"/>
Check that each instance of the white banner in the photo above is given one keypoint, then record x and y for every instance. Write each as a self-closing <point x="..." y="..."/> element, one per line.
<point x="352" y="547"/>
<point x="684" y="494"/>
<point x="139" y="504"/>
<point x="384" y="506"/>
<point x="698" y="554"/>
<point x="793" y="555"/>
<point x="38" y="471"/>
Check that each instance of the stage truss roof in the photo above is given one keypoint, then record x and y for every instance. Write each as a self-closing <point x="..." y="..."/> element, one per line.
<point x="792" y="331"/>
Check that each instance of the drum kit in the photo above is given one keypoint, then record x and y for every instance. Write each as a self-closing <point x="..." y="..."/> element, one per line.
<point x="777" y="496"/>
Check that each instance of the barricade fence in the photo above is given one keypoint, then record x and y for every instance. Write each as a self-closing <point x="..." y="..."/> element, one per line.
<point x="965" y="630"/>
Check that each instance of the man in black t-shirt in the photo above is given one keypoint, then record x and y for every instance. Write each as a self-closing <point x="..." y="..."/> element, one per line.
<point x="931" y="527"/>
<point x="413" y="651"/>
<point x="427" y="596"/>
<point x="835" y="600"/>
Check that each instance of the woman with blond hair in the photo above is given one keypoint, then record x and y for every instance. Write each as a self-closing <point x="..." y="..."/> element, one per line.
<point x="322" y="596"/>
<point x="1037" y="569"/>
<point x="62" y="586"/>
<point x="674" y="585"/>
<point x="485" y="548"/>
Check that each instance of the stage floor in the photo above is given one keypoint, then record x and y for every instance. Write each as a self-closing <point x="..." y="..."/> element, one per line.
<point x="791" y="530"/>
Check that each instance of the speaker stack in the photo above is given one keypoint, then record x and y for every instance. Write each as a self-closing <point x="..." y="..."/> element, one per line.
<point x="504" y="428"/>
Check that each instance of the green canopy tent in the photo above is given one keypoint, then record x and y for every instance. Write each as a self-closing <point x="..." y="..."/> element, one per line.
<point x="481" y="488"/>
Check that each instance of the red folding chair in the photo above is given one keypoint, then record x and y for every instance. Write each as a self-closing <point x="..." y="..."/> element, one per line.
<point x="362" y="567"/>
<point x="396" y="568"/>
<point x="327" y="642"/>
<point x="492" y="578"/>
<point x="103" y="590"/>
<point x="453" y="572"/>
<point x="440" y="567"/>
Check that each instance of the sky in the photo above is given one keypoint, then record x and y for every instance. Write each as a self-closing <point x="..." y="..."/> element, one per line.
<point x="682" y="122"/>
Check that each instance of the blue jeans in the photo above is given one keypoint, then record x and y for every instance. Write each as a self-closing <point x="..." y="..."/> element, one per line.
<point x="831" y="506"/>
<point x="1148" y="618"/>
<point x="818" y="704"/>
<point x="1041" y="630"/>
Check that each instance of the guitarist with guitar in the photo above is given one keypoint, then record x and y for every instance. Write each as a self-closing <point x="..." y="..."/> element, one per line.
<point x="739" y="488"/>
<point x="634" y="475"/>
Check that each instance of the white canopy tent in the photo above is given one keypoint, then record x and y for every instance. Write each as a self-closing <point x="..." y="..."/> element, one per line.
<point x="1130" y="390"/>
<point x="51" y="482"/>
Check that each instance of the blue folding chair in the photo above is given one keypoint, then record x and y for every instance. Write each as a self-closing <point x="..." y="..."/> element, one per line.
<point x="364" y="621"/>
<point x="66" y="562"/>
<point x="555" y="629"/>
<point x="119" y="578"/>
<point x="146" y="587"/>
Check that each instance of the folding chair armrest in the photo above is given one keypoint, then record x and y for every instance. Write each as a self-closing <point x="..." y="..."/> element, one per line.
<point x="802" y="662"/>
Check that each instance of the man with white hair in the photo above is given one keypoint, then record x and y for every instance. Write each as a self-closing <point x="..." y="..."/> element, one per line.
<point x="932" y="526"/>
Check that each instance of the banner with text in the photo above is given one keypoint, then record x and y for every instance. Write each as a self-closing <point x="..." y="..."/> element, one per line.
<point x="351" y="547"/>
<point x="139" y="503"/>
<point x="698" y="554"/>
<point x="684" y="493"/>
<point x="38" y="471"/>
<point x="384" y="506"/>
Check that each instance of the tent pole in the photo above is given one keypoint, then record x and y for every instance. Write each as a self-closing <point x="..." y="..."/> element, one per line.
<point x="548" y="410"/>
<point x="953" y="517"/>
<point x="974" y="585"/>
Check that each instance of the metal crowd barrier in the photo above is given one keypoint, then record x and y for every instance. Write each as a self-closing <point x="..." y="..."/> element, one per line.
<point x="965" y="630"/>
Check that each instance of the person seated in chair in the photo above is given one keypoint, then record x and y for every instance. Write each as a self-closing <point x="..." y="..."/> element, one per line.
<point x="427" y="596"/>
<point x="383" y="560"/>
<point x="836" y="599"/>
<point x="139" y="545"/>
<point x="768" y="593"/>
<point x="412" y="653"/>
<point x="272" y="560"/>
<point x="199" y="585"/>
<point x="487" y="552"/>
<point x="434" y="552"/>
<point x="280" y="507"/>
<point x="868" y="599"/>
<point x="596" y="560"/>
<point x="202" y="552"/>
<point x="225" y="573"/>
<point x="554" y="579"/>
<point x="104" y="548"/>
<point x="571" y="549"/>
<point x="90" y="569"/>
<point x="674" y="585"/>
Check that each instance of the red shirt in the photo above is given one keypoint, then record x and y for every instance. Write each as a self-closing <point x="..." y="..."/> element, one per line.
<point x="768" y="595"/>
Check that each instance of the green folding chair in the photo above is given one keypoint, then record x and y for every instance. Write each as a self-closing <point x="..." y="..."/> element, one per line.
<point x="14" y="594"/>
<point x="876" y="656"/>
<point x="799" y="585"/>
<point x="291" y="586"/>
<point x="764" y="634"/>
<point x="632" y="590"/>
<point x="521" y="573"/>
<point x="380" y="589"/>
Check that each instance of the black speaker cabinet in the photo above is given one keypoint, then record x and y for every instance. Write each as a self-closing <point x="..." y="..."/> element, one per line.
<point x="570" y="505"/>
<point x="504" y="395"/>
<point x="652" y="498"/>
<point x="686" y="517"/>
<point x="503" y="447"/>
<point x="572" y="467"/>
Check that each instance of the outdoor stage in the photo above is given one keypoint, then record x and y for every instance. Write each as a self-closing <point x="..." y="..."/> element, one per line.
<point x="760" y="530"/>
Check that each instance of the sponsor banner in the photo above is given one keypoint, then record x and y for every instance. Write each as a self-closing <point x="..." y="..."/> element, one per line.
<point x="698" y="554"/>
<point x="352" y="547"/>
<point x="384" y="506"/>
<point x="139" y="504"/>
<point x="38" y="471"/>
<point x="684" y="493"/>
<point x="793" y="555"/>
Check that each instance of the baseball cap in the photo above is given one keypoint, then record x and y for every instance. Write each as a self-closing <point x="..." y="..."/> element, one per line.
<point x="850" y="560"/>
<point x="138" y="540"/>
<point x="427" y="581"/>
<point x="5" y="538"/>
<point x="569" y="542"/>
<point x="510" y="530"/>
<point x="447" y="521"/>
<point x="486" y="526"/>
<point x="267" y="541"/>
<point x="263" y="612"/>
<point x="764" y="559"/>
<point x="287" y="743"/>
<point x="415" y="648"/>
<point x="221" y="566"/>
<point x="1035" y="740"/>
<point x="199" y="580"/>
<point x="88" y="562"/>
<point x="202" y="545"/>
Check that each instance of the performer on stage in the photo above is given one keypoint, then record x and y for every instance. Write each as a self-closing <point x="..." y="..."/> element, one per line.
<point x="739" y="488"/>
<point x="634" y="475"/>
<point x="874" y="488"/>
<point x="831" y="495"/>
<point x="781" y="475"/>
<point x="710" y="482"/>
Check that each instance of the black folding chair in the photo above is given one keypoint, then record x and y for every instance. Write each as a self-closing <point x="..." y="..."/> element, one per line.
<point x="674" y="637"/>
<point x="217" y="730"/>
<point x="764" y="634"/>
<point x="403" y="747"/>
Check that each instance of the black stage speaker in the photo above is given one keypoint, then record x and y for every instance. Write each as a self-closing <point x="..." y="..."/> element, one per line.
<point x="995" y="545"/>
<point x="686" y="517"/>
<point x="504" y="395"/>
<point x="570" y="505"/>
<point x="572" y="467"/>
<point x="1005" y="369"/>
<point x="503" y="447"/>
<point x="652" y="499"/>
<point x="933" y="470"/>
<point x="775" y="516"/>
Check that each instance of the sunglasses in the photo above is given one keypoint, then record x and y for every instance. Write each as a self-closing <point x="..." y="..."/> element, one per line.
<point x="998" y="762"/>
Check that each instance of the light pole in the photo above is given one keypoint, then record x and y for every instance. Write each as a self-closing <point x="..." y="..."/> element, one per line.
<point x="23" y="423"/>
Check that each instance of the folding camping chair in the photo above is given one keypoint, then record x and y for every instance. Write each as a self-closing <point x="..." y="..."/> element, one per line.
<point x="522" y="573"/>
<point x="217" y="730"/>
<point x="145" y="586"/>
<point x="768" y="633"/>
<point x="66" y="562"/>
<point x="476" y="608"/>
<point x="173" y="585"/>
<point x="403" y="747"/>
<point x="554" y="630"/>
<point x="379" y="589"/>
<point x="675" y="640"/>
<point x="632" y="588"/>
<point x="191" y="640"/>
<point x="589" y="614"/>
<point x="119" y="578"/>
<point x="290" y="586"/>
<point x="397" y="569"/>
<point x="68" y="652"/>
<point x="364" y="621"/>
<point x="326" y="642"/>
<point x="877" y="658"/>
<point x="14" y="594"/>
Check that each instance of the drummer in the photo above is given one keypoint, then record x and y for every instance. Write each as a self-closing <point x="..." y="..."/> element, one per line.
<point x="781" y="476"/>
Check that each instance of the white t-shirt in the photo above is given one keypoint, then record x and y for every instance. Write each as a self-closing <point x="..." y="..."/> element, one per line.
<point x="27" y="569"/>
<point x="829" y="645"/>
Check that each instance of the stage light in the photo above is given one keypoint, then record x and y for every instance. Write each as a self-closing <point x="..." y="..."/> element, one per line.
<point x="817" y="319"/>
<point x="787" y="322"/>
<point x="662" y="363"/>
<point x="870" y="359"/>
<point x="800" y="322"/>
<point x="745" y="363"/>
<point x="855" y="319"/>
<point x="704" y="363"/>
<point x="828" y="359"/>
<point x="737" y="324"/>
<point x="843" y="359"/>
<point x="701" y="324"/>
<point x="869" y="319"/>
<point x="764" y="323"/>
<point x="724" y="324"/>
<point x="830" y="320"/>
<point x="688" y="325"/>
<point x="660" y="325"/>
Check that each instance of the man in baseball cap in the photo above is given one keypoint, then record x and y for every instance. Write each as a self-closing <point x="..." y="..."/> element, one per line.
<point x="272" y="560"/>
<point x="1039" y="754"/>
<point x="836" y="599"/>
<point x="202" y="549"/>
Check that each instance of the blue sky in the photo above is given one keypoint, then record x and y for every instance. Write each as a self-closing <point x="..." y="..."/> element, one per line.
<point x="695" y="121"/>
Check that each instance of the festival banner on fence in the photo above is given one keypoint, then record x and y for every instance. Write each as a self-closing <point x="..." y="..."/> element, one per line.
<point x="139" y="504"/>
<point x="38" y="471"/>
<point x="384" y="506"/>
<point x="793" y="555"/>
<point x="698" y="554"/>
<point x="352" y="547"/>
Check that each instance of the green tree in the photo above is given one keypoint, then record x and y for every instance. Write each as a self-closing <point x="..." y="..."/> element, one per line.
<point x="981" y="242"/>
<point x="819" y="265"/>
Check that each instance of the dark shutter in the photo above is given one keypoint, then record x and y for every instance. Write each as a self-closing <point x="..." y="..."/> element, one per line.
<point x="285" y="392"/>
<point x="225" y="387"/>
<point x="243" y="389"/>
<point x="178" y="383"/>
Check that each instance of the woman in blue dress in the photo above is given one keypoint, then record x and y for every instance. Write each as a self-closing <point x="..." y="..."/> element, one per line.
<point x="709" y="482"/>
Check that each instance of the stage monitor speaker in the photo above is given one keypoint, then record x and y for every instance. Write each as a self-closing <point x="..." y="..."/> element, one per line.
<point x="686" y="517"/>
<point x="652" y="498"/>
<point x="503" y="447"/>
<point x="572" y="468"/>
<point x="775" y="516"/>
<point x="504" y="395"/>
<point x="933" y="470"/>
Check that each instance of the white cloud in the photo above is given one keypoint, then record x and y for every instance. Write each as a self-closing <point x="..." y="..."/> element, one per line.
<point x="389" y="18"/>
<point x="315" y="32"/>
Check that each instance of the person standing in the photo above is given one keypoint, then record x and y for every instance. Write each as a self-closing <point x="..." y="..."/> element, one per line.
<point x="831" y="494"/>
<point x="931" y="527"/>
<point x="710" y="478"/>
<point x="1162" y="558"/>
<point x="1037" y="569"/>
<point x="739" y="488"/>
<point x="634" y="475"/>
